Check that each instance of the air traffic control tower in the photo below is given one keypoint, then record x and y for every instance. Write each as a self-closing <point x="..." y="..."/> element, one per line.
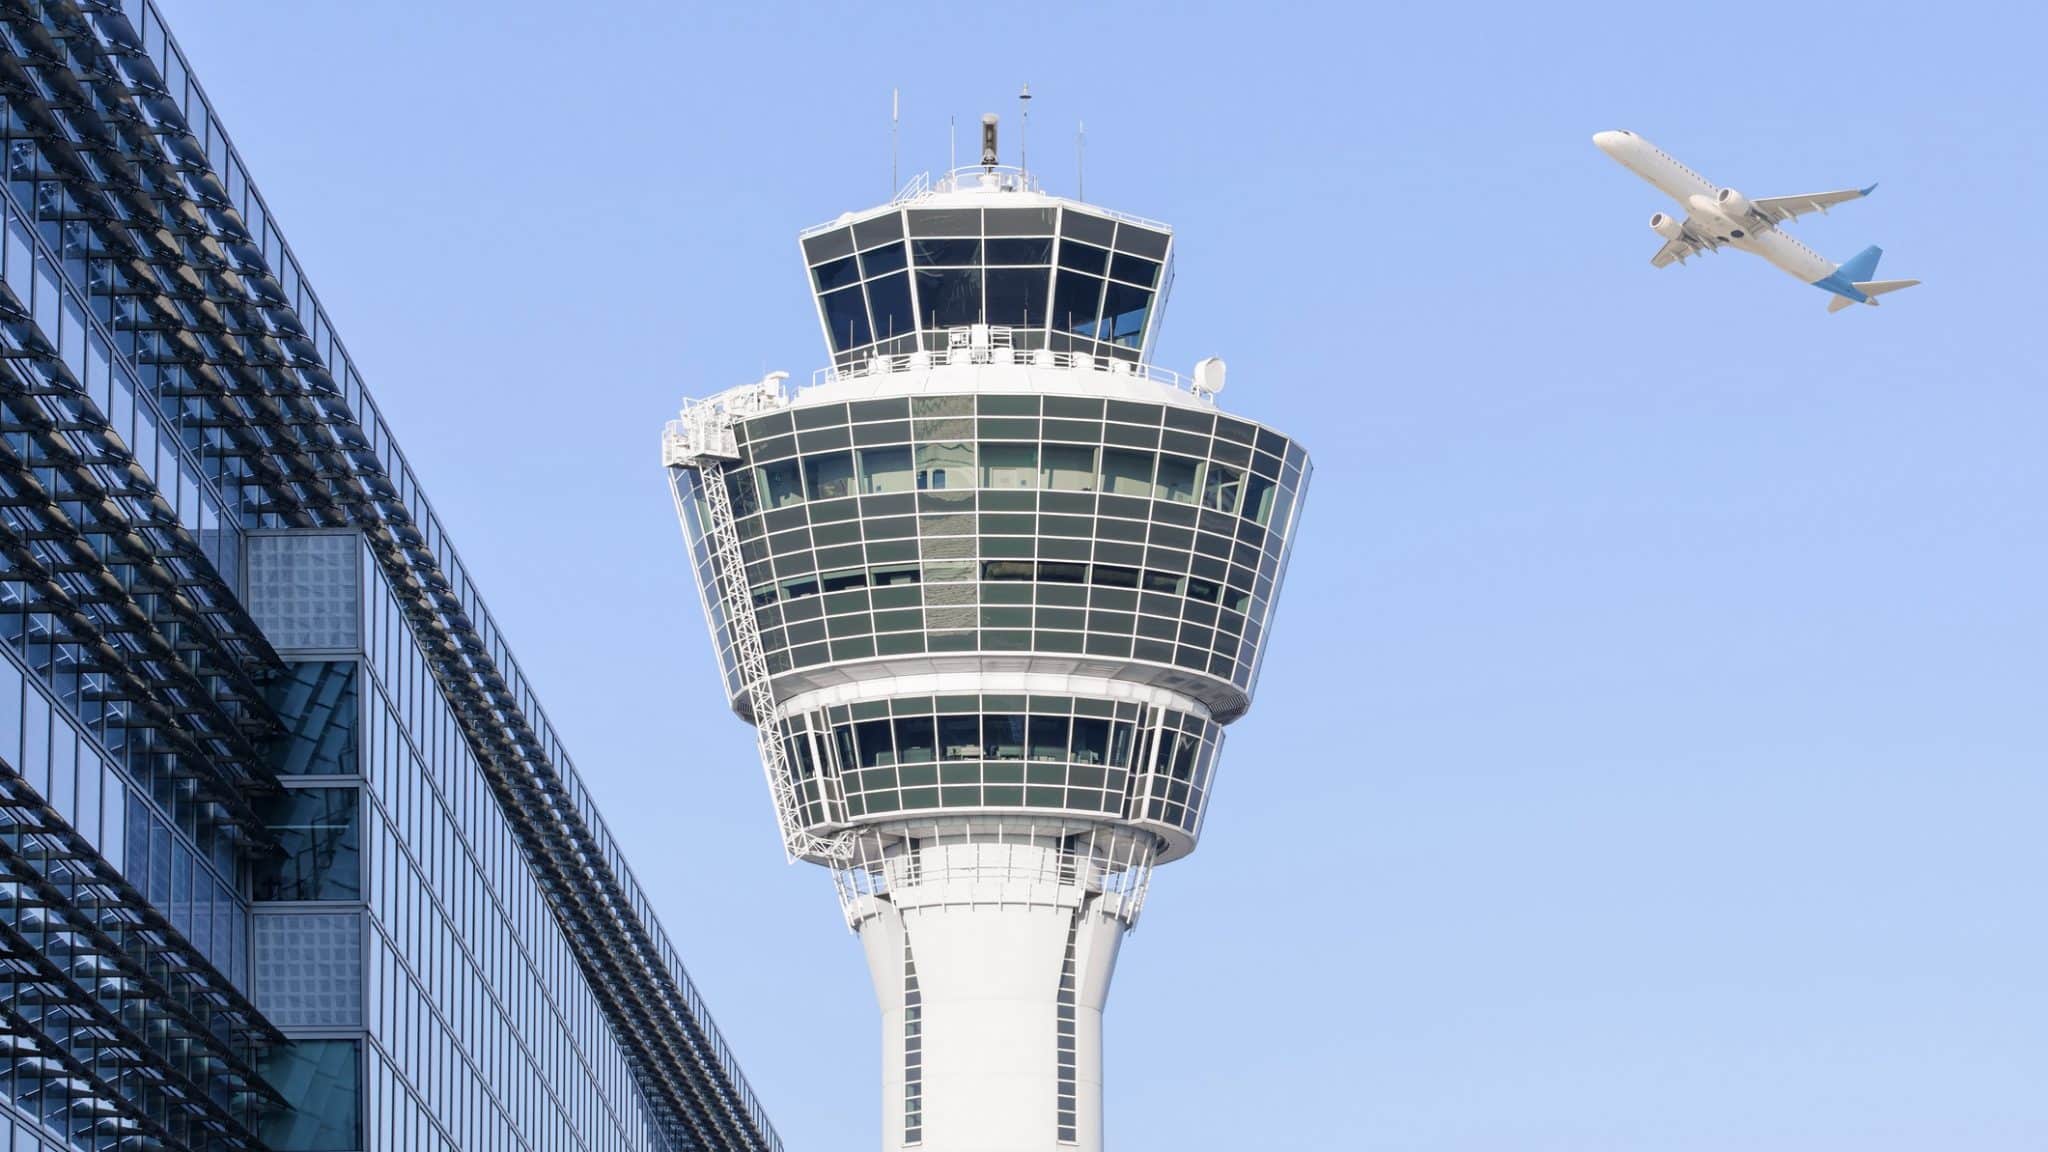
<point x="990" y="585"/>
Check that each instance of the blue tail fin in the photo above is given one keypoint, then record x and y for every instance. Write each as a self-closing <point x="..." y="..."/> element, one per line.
<point x="1862" y="266"/>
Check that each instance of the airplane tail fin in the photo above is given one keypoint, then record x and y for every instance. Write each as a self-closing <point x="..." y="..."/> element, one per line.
<point x="1863" y="265"/>
<point x="1872" y="289"/>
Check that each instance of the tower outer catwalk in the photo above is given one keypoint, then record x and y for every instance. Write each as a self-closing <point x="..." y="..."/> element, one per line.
<point x="990" y="586"/>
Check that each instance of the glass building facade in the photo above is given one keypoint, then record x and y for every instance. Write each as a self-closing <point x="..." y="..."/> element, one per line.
<point x="290" y="858"/>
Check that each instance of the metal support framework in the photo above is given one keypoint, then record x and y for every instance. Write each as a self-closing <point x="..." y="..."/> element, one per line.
<point x="703" y="440"/>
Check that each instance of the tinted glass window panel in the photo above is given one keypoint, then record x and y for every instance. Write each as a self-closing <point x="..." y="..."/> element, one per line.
<point x="1069" y="467"/>
<point x="1258" y="499"/>
<point x="828" y="246"/>
<point x="876" y="748"/>
<point x="316" y="829"/>
<point x="1003" y="737"/>
<point x="1076" y="302"/>
<point x="846" y="318"/>
<point x="316" y="700"/>
<point x="945" y="465"/>
<point x="1142" y="241"/>
<point x="879" y="261"/>
<point x="1084" y="257"/>
<point x="322" y="1081"/>
<point x="836" y="274"/>
<point x="829" y="476"/>
<point x="949" y="298"/>
<point x="1222" y="487"/>
<point x="1126" y="473"/>
<point x="780" y="484"/>
<point x="914" y="740"/>
<point x="869" y="233"/>
<point x="1141" y="272"/>
<point x="1009" y="465"/>
<point x="886" y="470"/>
<point x="1018" y="296"/>
<point x="1123" y="314"/>
<point x="889" y="300"/>
<point x="946" y="222"/>
<point x="1082" y="226"/>
<point x="1018" y="221"/>
<point x="1038" y="251"/>
<point x="927" y="253"/>
<point x="960" y="737"/>
<point x="1049" y="737"/>
<point x="1177" y="475"/>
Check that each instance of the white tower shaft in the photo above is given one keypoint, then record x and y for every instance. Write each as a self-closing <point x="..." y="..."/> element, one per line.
<point x="991" y="966"/>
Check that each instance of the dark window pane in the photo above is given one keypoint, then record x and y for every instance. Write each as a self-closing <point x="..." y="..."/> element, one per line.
<point x="1076" y="302"/>
<point x="1091" y="741"/>
<point x="889" y="299"/>
<point x="1049" y="737"/>
<point x="885" y="470"/>
<point x="877" y="261"/>
<point x="960" y="737"/>
<point x="1082" y="226"/>
<point x="1084" y="257"/>
<point x="914" y="739"/>
<point x="318" y="838"/>
<point x="876" y="750"/>
<point x="828" y="246"/>
<point x="829" y="475"/>
<point x="317" y="702"/>
<point x="846" y="317"/>
<point x="1018" y="296"/>
<point x="1123" y="314"/>
<point x="949" y="299"/>
<point x="1127" y="473"/>
<point x="1003" y="737"/>
<point x="946" y="222"/>
<point x="1018" y="221"/>
<point x="779" y="484"/>
<point x="869" y="233"/>
<point x="927" y="253"/>
<point x="835" y="274"/>
<point x="322" y="1081"/>
<point x="1131" y="268"/>
<point x="1037" y="251"/>
<point x="1143" y="241"/>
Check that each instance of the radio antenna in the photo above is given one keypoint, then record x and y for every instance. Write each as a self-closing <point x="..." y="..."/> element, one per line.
<point x="952" y="142"/>
<point x="895" y="118"/>
<point x="1024" y="130"/>
<point x="1080" y="160"/>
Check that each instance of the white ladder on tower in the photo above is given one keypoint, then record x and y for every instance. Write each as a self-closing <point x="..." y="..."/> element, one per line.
<point x="702" y="440"/>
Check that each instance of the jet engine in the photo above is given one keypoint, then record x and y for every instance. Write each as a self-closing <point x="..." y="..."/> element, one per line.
<point x="1732" y="203"/>
<point x="1666" y="227"/>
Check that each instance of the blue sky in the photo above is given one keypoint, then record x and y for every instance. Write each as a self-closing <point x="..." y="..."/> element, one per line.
<point x="1650" y="751"/>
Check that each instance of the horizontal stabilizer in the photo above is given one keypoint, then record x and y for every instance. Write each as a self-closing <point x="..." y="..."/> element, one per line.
<point x="1837" y="303"/>
<point x="1880" y="287"/>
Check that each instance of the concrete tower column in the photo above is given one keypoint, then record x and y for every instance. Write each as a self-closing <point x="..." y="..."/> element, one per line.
<point x="991" y="964"/>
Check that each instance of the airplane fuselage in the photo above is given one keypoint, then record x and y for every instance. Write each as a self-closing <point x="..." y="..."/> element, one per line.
<point x="1701" y="198"/>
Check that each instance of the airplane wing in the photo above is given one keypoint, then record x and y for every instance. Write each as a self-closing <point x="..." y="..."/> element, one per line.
<point x="1779" y="209"/>
<point x="1690" y="243"/>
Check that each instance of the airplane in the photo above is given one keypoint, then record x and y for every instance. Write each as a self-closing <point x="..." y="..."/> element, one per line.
<point x="1722" y="216"/>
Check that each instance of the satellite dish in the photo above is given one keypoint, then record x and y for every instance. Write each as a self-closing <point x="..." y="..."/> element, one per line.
<point x="1209" y="375"/>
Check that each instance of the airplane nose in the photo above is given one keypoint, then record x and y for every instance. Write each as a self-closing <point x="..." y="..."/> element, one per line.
<point x="1609" y="141"/>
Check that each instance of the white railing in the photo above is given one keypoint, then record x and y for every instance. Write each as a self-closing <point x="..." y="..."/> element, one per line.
<point x="997" y="349"/>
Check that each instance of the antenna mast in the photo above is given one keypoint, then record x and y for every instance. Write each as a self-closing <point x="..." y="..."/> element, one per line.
<point x="895" y="118"/>
<point x="952" y="142"/>
<point x="1080" y="160"/>
<point x="1024" y="130"/>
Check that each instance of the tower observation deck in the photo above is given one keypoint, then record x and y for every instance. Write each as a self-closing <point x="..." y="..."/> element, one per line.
<point x="990" y="586"/>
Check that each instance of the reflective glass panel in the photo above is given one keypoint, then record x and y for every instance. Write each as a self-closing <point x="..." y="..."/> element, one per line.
<point x="1019" y="296"/>
<point x="949" y="298"/>
<point x="317" y="832"/>
<point x="846" y="317"/>
<point x="322" y="1080"/>
<point x="889" y="299"/>
<point x="316" y="700"/>
<point x="886" y="470"/>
